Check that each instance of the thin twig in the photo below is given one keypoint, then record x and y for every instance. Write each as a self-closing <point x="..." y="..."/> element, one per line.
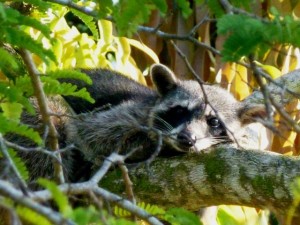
<point x="69" y="3"/>
<point x="12" y="165"/>
<point x="229" y="9"/>
<point x="128" y="182"/>
<point x="9" y="191"/>
<point x="42" y="103"/>
<point x="264" y="89"/>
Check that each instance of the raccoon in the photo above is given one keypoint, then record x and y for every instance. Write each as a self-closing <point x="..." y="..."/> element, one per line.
<point x="177" y="111"/>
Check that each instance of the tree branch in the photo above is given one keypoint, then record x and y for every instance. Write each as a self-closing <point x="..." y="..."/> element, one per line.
<point x="220" y="176"/>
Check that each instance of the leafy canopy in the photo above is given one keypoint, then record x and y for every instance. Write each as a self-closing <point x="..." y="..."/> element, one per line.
<point x="247" y="35"/>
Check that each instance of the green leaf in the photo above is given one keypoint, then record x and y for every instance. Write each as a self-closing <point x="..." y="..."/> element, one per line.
<point x="245" y="36"/>
<point x="15" y="18"/>
<point x="13" y="94"/>
<point x="54" y="87"/>
<point x="179" y="216"/>
<point x="31" y="217"/>
<point x="184" y="7"/>
<point x="151" y="209"/>
<point x="12" y="110"/>
<point x="70" y="74"/>
<point x="83" y="216"/>
<point x="12" y="126"/>
<point x="161" y="5"/>
<point x="88" y="21"/>
<point x="17" y="37"/>
<point x="114" y="221"/>
<point x="59" y="198"/>
<point x="19" y="163"/>
<point x="215" y="8"/>
<point x="39" y="4"/>
<point x="6" y="59"/>
<point x="137" y="12"/>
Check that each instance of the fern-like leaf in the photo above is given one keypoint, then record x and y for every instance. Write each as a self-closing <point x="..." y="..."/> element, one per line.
<point x="137" y="12"/>
<point x="216" y="8"/>
<point x="14" y="18"/>
<point x="54" y="87"/>
<point x="13" y="94"/>
<point x="243" y="39"/>
<point x="24" y="83"/>
<point x="19" y="163"/>
<point x="88" y="21"/>
<point x="12" y="126"/>
<point x="70" y="74"/>
<point x="182" y="217"/>
<point x="151" y="209"/>
<point x="247" y="35"/>
<point x="17" y="37"/>
<point x="185" y="8"/>
<point x="6" y="59"/>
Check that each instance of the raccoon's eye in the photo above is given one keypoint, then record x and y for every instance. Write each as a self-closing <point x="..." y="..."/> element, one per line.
<point x="213" y="122"/>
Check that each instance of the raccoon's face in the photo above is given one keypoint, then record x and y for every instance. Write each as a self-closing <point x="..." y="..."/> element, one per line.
<point x="188" y="121"/>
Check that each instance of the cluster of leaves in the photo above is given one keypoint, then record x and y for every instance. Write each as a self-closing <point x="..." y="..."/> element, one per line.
<point x="137" y="12"/>
<point x="15" y="83"/>
<point x="247" y="35"/>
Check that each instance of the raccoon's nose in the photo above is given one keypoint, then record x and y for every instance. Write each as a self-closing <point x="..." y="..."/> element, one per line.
<point x="185" y="138"/>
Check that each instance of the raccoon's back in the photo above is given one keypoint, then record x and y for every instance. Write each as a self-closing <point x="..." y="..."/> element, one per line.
<point x="108" y="87"/>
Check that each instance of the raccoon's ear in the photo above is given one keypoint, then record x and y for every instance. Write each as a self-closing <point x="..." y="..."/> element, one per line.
<point x="163" y="78"/>
<point x="251" y="112"/>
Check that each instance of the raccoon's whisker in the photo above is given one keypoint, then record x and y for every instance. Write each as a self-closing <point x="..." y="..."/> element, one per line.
<point x="165" y="124"/>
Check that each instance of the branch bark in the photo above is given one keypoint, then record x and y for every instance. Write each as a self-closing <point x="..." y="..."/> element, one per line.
<point x="222" y="175"/>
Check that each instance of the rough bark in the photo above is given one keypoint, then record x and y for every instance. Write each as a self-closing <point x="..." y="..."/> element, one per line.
<point x="222" y="175"/>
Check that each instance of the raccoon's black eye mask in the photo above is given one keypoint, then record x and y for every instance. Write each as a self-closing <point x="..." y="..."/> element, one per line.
<point x="177" y="115"/>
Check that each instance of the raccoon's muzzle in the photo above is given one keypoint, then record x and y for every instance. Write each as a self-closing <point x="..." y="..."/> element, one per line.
<point x="185" y="139"/>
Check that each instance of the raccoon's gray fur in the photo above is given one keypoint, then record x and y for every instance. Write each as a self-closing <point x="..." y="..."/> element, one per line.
<point x="108" y="87"/>
<point x="178" y="111"/>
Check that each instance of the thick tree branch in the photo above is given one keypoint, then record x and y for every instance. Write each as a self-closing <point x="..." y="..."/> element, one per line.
<point x="220" y="176"/>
